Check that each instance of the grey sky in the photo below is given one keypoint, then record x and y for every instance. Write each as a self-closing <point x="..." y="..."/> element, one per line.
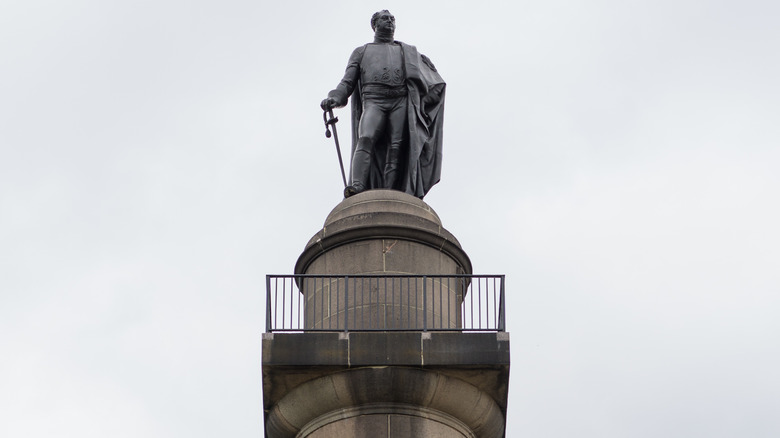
<point x="617" y="160"/>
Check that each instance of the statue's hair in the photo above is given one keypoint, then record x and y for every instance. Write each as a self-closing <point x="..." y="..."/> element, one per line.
<point x="376" y="17"/>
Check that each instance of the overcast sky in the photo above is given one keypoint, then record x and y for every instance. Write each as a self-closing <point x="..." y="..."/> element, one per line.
<point x="617" y="160"/>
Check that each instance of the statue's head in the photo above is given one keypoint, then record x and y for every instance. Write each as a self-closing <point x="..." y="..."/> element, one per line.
<point x="383" y="21"/>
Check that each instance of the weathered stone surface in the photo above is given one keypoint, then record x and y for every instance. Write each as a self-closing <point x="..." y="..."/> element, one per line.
<point x="424" y="349"/>
<point x="362" y="426"/>
<point x="416" y="426"/>
<point x="478" y="360"/>
<point x="425" y="394"/>
<point x="380" y="303"/>
<point x="386" y="420"/>
<point x="380" y="216"/>
<point x="390" y="200"/>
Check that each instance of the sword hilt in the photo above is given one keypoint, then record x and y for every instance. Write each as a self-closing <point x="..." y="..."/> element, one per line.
<point x="328" y="121"/>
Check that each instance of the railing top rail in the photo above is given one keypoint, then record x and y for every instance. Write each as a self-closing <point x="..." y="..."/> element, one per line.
<point x="382" y="275"/>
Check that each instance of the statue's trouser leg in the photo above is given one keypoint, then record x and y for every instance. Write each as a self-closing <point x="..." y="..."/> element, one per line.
<point x="372" y="122"/>
<point x="396" y="129"/>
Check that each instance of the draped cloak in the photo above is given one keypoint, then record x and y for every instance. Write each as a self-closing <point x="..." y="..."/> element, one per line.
<point x="420" y="167"/>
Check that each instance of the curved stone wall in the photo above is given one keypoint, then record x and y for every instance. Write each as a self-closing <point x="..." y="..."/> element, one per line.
<point x="353" y="403"/>
<point x="383" y="232"/>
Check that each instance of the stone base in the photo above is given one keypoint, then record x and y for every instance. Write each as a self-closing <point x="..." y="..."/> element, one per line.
<point x="344" y="385"/>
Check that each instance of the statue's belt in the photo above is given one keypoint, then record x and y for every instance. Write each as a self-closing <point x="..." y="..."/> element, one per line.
<point x="381" y="90"/>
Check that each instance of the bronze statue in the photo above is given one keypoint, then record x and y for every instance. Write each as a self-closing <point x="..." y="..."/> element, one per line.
<point x="397" y="114"/>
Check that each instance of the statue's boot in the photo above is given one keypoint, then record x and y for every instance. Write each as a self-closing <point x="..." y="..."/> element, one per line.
<point x="351" y="190"/>
<point x="361" y="165"/>
<point x="391" y="166"/>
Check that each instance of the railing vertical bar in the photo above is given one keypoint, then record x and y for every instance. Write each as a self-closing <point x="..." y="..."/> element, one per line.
<point x="316" y="297"/>
<point x="474" y="296"/>
<point x="313" y="307"/>
<point x="479" y="302"/>
<point x="292" y="299"/>
<point x="268" y="304"/>
<point x="322" y="303"/>
<point x="370" y="301"/>
<point x="300" y="325"/>
<point x="284" y="301"/>
<point x="425" y="304"/>
<point x="392" y="300"/>
<point x="409" y="302"/>
<point x="495" y="306"/>
<point x="335" y="324"/>
<point x="401" y="301"/>
<point x="408" y="296"/>
<point x="346" y="303"/>
<point x="362" y="289"/>
<point x="312" y="290"/>
<point x="338" y="302"/>
<point x="370" y="292"/>
<point x="462" y="305"/>
<point x="276" y="303"/>
<point x="292" y="305"/>
<point x="441" y="304"/>
<point x="502" y="309"/>
<point x="472" y="303"/>
<point x="433" y="301"/>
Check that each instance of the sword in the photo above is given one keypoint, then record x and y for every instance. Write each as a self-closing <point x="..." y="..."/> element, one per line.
<point x="327" y="117"/>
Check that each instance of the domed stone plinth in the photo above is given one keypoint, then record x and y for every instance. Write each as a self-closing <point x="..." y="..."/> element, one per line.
<point x="383" y="233"/>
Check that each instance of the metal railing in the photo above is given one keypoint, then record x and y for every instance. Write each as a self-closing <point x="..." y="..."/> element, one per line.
<point x="304" y="303"/>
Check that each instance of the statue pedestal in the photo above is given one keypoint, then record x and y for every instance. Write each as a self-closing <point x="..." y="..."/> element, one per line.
<point x="383" y="233"/>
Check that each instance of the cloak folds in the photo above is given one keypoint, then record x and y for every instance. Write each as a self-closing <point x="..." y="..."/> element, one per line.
<point x="422" y="149"/>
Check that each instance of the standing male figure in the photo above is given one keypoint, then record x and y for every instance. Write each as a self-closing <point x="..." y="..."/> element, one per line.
<point x="397" y="114"/>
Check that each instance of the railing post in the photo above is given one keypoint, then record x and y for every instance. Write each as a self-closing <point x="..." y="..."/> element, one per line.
<point x="268" y="304"/>
<point x="425" y="304"/>
<point x="501" y="309"/>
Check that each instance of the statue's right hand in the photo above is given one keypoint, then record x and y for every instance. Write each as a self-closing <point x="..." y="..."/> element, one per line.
<point x="328" y="103"/>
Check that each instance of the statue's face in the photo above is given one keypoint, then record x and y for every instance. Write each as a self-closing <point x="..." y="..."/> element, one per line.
<point x="385" y="22"/>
